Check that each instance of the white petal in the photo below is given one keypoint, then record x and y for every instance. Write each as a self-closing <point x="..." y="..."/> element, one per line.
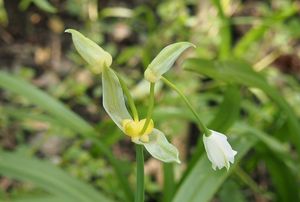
<point x="218" y="150"/>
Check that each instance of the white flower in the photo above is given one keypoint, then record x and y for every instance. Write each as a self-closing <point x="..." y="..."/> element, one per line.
<point x="218" y="150"/>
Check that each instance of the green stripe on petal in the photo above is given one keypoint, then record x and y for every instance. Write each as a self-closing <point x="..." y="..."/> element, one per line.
<point x="165" y="60"/>
<point x="159" y="147"/>
<point x="113" y="98"/>
<point x="93" y="54"/>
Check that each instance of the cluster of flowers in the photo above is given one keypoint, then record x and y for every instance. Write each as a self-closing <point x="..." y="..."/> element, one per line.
<point x="218" y="149"/>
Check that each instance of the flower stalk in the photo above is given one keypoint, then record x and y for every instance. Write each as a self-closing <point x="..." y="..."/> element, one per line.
<point x="139" y="194"/>
<point x="202" y="127"/>
<point x="150" y="107"/>
<point x="129" y="98"/>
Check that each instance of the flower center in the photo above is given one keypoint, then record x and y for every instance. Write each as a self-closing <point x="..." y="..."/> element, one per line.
<point x="134" y="128"/>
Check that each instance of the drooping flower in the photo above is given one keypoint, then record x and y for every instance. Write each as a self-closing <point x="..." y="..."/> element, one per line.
<point x="218" y="150"/>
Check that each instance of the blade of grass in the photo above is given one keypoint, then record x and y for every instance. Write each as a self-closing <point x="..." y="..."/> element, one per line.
<point x="258" y="31"/>
<point x="48" y="177"/>
<point x="64" y="115"/>
<point x="224" y="31"/>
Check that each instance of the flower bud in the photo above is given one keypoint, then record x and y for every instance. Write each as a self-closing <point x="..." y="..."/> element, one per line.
<point x="93" y="54"/>
<point x="164" y="60"/>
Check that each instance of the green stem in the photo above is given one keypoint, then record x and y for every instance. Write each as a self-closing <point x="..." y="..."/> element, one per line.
<point x="169" y="184"/>
<point x="139" y="194"/>
<point x="189" y="105"/>
<point x="129" y="98"/>
<point x="150" y="108"/>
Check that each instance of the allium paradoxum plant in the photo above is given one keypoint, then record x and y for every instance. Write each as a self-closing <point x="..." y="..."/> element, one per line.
<point x="142" y="132"/>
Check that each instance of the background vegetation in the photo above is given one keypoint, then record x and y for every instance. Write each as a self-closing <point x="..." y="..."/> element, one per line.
<point x="58" y="144"/>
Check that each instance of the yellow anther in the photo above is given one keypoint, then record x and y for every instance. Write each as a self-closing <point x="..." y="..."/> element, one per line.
<point x="134" y="128"/>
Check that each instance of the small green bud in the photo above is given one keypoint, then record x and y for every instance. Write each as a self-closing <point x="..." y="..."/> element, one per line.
<point x="164" y="60"/>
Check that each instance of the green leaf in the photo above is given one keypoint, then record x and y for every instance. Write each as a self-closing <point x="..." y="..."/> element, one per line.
<point x="94" y="55"/>
<point x="228" y="111"/>
<point x="272" y="143"/>
<point x="43" y="199"/>
<point x="165" y="60"/>
<point x="160" y="148"/>
<point x="45" y="6"/>
<point x="55" y="108"/>
<point x="231" y="191"/>
<point x="202" y="182"/>
<point x="68" y="118"/>
<point x="41" y="4"/>
<point x="240" y="72"/>
<point x="113" y="98"/>
<point x="48" y="177"/>
<point x="284" y="181"/>
<point x="258" y="31"/>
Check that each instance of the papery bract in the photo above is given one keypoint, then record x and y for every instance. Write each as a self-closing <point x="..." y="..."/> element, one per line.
<point x="164" y="60"/>
<point x="113" y="98"/>
<point x="93" y="54"/>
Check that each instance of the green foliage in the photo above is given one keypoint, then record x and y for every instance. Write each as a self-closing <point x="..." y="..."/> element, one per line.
<point x="48" y="177"/>
<point x="232" y="79"/>
<point x="41" y="4"/>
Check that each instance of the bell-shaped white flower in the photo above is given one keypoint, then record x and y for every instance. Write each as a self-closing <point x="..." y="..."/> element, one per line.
<point x="218" y="150"/>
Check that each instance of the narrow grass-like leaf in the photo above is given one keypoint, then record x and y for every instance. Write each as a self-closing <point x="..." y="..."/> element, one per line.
<point x="228" y="111"/>
<point x="62" y="114"/>
<point x="55" y="108"/>
<point x="42" y="4"/>
<point x="45" y="6"/>
<point x="284" y="181"/>
<point x="258" y="31"/>
<point x="43" y="199"/>
<point x="48" y="177"/>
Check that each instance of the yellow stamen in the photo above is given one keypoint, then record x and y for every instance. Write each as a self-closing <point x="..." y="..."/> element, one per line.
<point x="133" y="129"/>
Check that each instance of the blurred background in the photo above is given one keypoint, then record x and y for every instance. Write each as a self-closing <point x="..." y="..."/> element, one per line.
<point x="43" y="80"/>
